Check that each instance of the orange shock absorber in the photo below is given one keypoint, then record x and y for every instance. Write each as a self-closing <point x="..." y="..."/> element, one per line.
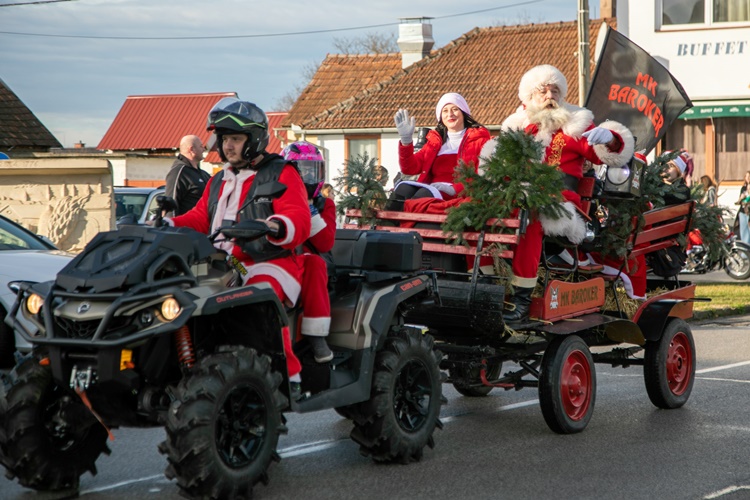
<point x="184" y="346"/>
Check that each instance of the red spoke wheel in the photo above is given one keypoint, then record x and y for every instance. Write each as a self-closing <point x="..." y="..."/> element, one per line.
<point x="567" y="385"/>
<point x="669" y="366"/>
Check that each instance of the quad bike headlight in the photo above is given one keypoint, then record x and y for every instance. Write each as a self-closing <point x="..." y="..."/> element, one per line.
<point x="170" y="309"/>
<point x="34" y="304"/>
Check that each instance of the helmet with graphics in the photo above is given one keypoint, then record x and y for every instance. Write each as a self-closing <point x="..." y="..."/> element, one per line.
<point x="310" y="163"/>
<point x="232" y="116"/>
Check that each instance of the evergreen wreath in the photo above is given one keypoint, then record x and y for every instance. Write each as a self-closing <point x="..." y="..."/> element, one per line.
<point x="512" y="178"/>
<point x="361" y="188"/>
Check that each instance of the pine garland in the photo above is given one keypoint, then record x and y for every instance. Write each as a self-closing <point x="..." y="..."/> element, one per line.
<point x="513" y="178"/>
<point x="360" y="188"/>
<point x="618" y="225"/>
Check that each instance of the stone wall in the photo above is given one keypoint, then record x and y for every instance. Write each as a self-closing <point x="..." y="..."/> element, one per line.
<point x="68" y="200"/>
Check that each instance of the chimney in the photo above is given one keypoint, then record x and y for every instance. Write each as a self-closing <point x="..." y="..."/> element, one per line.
<point x="607" y="8"/>
<point x="79" y="145"/>
<point x="414" y="39"/>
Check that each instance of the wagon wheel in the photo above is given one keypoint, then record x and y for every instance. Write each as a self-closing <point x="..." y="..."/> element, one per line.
<point x="669" y="366"/>
<point x="567" y="385"/>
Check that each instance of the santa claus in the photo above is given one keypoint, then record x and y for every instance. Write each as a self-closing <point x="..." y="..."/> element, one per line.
<point x="569" y="138"/>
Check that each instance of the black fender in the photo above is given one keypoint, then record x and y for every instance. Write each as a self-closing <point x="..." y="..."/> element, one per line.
<point x="741" y="244"/>
<point x="654" y="317"/>
<point x="381" y="308"/>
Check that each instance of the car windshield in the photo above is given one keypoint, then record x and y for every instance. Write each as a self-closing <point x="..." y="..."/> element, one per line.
<point x="130" y="204"/>
<point x="13" y="237"/>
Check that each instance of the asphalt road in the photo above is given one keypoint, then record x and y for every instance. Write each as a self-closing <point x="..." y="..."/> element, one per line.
<point x="500" y="447"/>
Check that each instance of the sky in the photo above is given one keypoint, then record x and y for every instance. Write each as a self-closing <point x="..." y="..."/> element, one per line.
<point x="73" y="63"/>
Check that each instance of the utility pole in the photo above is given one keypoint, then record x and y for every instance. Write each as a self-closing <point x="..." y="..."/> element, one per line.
<point x="584" y="67"/>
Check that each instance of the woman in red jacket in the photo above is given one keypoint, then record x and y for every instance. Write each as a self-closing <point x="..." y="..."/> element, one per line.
<point x="457" y="137"/>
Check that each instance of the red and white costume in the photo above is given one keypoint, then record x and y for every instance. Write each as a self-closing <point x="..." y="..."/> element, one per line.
<point x="316" y="305"/>
<point x="566" y="148"/>
<point x="290" y="210"/>
<point x="432" y="165"/>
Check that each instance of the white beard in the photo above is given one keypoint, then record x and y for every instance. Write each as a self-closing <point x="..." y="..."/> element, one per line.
<point x="548" y="120"/>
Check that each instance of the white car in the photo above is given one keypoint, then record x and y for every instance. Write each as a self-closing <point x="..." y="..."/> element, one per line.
<point x="136" y="205"/>
<point x="24" y="256"/>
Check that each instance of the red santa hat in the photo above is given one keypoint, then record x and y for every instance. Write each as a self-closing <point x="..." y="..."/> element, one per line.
<point x="539" y="76"/>
<point x="451" y="98"/>
<point x="679" y="162"/>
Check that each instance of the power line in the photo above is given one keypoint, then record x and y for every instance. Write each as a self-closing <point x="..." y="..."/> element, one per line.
<point x="34" y="3"/>
<point x="264" y="35"/>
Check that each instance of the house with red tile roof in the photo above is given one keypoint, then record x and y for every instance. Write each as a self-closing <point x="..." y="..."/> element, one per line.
<point x="484" y="65"/>
<point x="144" y="137"/>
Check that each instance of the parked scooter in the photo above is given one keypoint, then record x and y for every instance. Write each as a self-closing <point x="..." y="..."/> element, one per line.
<point x="734" y="257"/>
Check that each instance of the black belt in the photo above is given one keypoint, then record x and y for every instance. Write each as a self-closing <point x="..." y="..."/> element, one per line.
<point x="570" y="183"/>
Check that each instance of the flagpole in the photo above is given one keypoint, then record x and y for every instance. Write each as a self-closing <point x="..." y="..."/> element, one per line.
<point x="584" y="66"/>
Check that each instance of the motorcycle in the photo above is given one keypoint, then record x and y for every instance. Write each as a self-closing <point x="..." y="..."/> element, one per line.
<point x="734" y="256"/>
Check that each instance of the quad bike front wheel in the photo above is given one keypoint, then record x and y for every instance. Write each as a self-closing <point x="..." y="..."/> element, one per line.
<point x="48" y="437"/>
<point x="669" y="366"/>
<point x="466" y="377"/>
<point x="567" y="385"/>
<point x="398" y="420"/>
<point x="223" y="425"/>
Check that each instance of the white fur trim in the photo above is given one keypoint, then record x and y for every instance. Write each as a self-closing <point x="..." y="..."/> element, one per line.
<point x="580" y="120"/>
<point x="616" y="159"/>
<point x="290" y="285"/>
<point x="283" y="219"/>
<point x="572" y="225"/>
<point x="626" y="283"/>
<point x="315" y="327"/>
<point x="318" y="224"/>
<point x="487" y="152"/>
<point x="537" y="77"/>
<point x="523" y="282"/>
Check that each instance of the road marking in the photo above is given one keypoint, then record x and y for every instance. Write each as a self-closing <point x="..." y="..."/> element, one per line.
<point x="307" y="448"/>
<point x="122" y="483"/>
<point x="724" y="367"/>
<point x="726" y="491"/>
<point x="725" y="379"/>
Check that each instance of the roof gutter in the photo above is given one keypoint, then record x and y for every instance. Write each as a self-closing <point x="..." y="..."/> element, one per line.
<point x="351" y="131"/>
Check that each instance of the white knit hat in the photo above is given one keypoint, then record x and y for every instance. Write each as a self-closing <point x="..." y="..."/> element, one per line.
<point x="677" y="160"/>
<point x="539" y="76"/>
<point x="451" y="98"/>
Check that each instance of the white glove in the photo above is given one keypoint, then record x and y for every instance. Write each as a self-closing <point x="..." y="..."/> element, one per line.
<point x="405" y="125"/>
<point x="598" y="135"/>
<point x="445" y="187"/>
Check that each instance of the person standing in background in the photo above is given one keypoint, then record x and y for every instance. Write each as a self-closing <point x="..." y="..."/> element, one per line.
<point x="742" y="213"/>
<point x="185" y="180"/>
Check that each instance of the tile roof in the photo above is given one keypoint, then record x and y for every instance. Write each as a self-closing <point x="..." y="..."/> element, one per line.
<point x="274" y="144"/>
<point x="339" y="77"/>
<point x="149" y="122"/>
<point x="20" y="129"/>
<point x="484" y="65"/>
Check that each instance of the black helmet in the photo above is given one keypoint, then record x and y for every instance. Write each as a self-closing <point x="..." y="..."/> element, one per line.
<point x="232" y="116"/>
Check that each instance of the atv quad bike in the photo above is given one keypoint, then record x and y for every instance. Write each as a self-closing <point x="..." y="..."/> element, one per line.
<point x="146" y="328"/>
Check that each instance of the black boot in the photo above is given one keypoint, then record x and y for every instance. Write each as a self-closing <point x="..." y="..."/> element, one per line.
<point x="521" y="299"/>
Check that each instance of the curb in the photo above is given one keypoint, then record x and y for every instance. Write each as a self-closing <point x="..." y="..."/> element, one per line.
<point x="720" y="313"/>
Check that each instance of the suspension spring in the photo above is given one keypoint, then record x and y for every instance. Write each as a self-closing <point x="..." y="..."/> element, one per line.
<point x="184" y="345"/>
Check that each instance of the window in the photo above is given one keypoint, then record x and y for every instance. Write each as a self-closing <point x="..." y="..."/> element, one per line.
<point x="683" y="12"/>
<point x="732" y="142"/>
<point x="731" y="11"/>
<point x="359" y="146"/>
<point x="705" y="12"/>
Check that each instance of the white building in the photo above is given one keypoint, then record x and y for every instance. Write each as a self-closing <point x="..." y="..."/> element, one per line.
<point x="706" y="46"/>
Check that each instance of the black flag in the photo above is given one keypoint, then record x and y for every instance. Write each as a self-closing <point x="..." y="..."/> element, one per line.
<point x="633" y="88"/>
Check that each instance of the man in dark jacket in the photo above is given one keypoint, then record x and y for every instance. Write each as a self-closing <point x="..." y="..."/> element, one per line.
<point x="185" y="180"/>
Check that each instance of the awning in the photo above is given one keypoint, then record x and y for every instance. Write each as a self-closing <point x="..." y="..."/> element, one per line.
<point x="717" y="110"/>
